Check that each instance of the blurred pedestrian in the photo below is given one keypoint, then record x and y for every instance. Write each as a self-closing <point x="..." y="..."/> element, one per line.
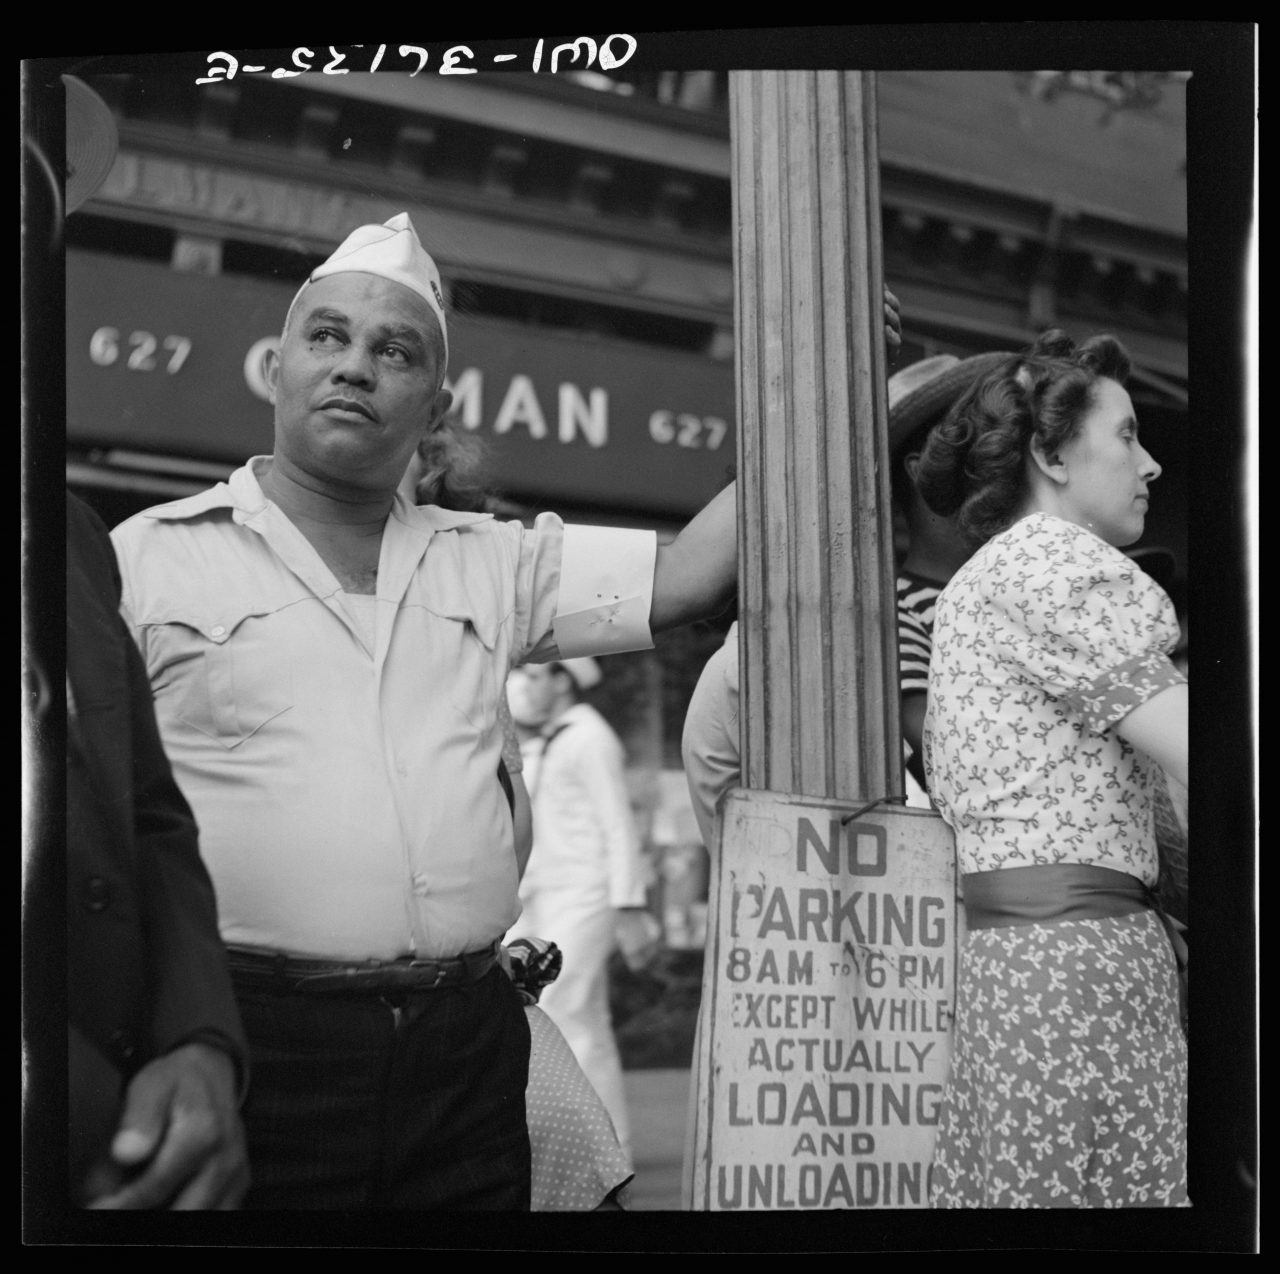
<point x="327" y="660"/>
<point x="710" y="744"/>
<point x="585" y="885"/>
<point x="1053" y="704"/>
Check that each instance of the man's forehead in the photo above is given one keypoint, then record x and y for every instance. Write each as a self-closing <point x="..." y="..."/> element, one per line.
<point x="368" y="297"/>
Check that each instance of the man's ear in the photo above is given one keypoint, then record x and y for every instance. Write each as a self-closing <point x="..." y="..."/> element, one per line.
<point x="271" y="371"/>
<point x="911" y="463"/>
<point x="1049" y="463"/>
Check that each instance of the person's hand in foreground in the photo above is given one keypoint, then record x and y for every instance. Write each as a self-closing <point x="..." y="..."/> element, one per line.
<point x="180" y="1144"/>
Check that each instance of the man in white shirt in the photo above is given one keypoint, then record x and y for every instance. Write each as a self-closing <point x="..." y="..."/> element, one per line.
<point x="584" y="888"/>
<point x="326" y="660"/>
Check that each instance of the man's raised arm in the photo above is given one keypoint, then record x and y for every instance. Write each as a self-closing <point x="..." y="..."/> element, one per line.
<point x="697" y="572"/>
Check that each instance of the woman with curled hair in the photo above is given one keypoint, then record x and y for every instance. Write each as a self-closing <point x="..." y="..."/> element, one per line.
<point x="1053" y="705"/>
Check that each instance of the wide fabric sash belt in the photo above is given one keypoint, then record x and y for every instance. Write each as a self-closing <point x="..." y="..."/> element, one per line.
<point x="274" y="969"/>
<point x="1063" y="891"/>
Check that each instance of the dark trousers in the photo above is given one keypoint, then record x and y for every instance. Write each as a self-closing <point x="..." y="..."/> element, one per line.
<point x="404" y="1101"/>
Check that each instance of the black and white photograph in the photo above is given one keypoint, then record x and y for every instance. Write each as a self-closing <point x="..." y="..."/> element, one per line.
<point x="606" y="629"/>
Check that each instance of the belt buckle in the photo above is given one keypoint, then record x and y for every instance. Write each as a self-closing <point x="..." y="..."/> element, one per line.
<point x="440" y="972"/>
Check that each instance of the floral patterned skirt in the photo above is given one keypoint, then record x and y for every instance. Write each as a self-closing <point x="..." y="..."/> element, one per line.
<point x="1068" y="1084"/>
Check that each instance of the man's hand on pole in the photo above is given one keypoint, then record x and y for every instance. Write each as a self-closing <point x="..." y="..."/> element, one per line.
<point x="698" y="571"/>
<point x="892" y="322"/>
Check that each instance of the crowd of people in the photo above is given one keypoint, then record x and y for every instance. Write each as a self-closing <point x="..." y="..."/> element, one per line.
<point x="293" y="693"/>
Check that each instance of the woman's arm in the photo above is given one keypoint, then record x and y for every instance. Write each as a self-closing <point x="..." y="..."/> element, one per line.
<point x="1158" y="728"/>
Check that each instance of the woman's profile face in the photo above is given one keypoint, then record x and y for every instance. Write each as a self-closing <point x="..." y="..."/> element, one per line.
<point x="1108" y="471"/>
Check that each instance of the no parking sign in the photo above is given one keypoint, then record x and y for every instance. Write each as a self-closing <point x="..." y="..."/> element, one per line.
<point x="827" y="1005"/>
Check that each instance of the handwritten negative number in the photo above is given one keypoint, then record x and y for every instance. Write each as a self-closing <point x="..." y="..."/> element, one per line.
<point x="104" y="349"/>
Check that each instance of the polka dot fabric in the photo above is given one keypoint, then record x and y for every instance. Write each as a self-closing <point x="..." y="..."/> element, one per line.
<point x="577" y="1161"/>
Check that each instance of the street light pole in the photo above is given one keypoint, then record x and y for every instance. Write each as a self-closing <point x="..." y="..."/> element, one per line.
<point x="816" y="583"/>
<point x="830" y="961"/>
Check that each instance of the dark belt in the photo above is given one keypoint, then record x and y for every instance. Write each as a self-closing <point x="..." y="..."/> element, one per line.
<point x="1063" y="891"/>
<point x="275" y="970"/>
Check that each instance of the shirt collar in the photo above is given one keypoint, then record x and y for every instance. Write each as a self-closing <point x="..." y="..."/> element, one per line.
<point x="574" y="712"/>
<point x="243" y="495"/>
<point x="240" y="492"/>
<point x="433" y="517"/>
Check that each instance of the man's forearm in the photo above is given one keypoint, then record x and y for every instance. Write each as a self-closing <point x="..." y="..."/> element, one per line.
<point x="698" y="571"/>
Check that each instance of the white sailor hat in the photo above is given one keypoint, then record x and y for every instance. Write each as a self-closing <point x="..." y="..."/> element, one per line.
<point x="584" y="671"/>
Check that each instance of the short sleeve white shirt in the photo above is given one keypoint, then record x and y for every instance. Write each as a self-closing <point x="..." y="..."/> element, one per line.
<point x="347" y="791"/>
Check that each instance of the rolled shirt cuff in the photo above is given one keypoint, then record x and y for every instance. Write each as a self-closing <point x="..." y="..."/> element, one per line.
<point x="606" y="591"/>
<point x="1113" y="694"/>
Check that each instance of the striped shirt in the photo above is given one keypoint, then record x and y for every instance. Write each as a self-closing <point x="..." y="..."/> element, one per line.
<point x="916" y="599"/>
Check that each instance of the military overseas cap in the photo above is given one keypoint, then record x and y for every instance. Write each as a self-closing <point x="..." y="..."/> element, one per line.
<point x="927" y="389"/>
<point x="392" y="251"/>
<point x="583" y="670"/>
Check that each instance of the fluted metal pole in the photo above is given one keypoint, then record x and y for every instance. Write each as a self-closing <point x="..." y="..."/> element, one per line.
<point x="816" y="584"/>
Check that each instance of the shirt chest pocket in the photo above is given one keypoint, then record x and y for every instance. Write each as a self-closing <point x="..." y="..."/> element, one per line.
<point x="225" y="674"/>
<point x="467" y="656"/>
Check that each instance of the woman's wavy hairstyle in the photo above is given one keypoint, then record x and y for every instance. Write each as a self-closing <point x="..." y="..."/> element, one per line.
<point x="973" y="466"/>
<point x="456" y="469"/>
